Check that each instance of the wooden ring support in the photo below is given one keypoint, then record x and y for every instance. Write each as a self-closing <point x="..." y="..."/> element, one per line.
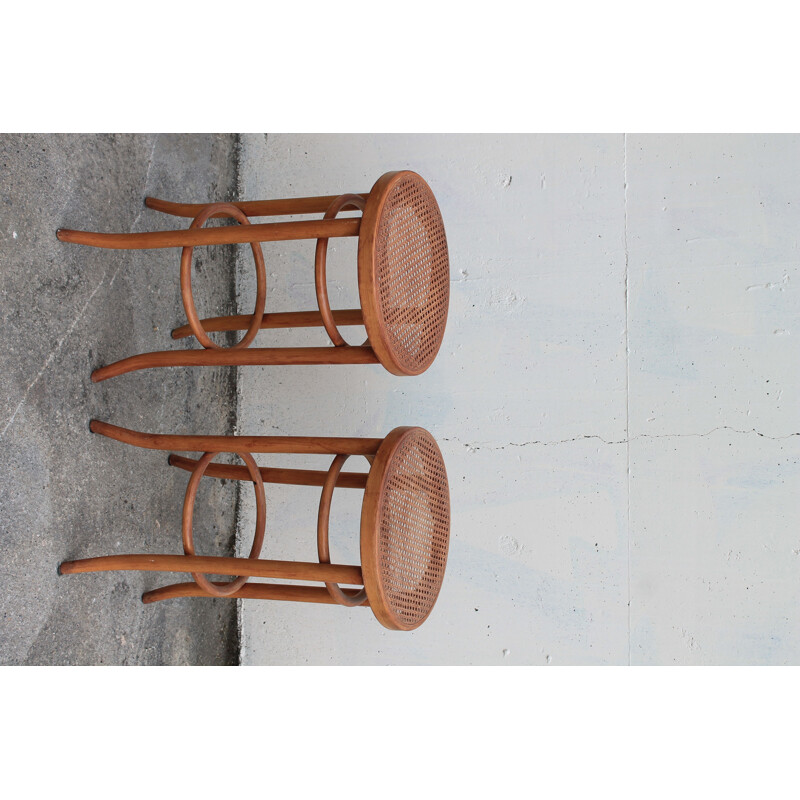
<point x="405" y="523"/>
<point x="323" y="544"/>
<point x="224" y="589"/>
<point x="222" y="210"/>
<point x="320" y="259"/>
<point x="403" y="270"/>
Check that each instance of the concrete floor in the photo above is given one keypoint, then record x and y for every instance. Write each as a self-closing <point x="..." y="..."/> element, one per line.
<point x="65" y="310"/>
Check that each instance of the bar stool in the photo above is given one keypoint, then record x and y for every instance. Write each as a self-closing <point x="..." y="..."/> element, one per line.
<point x="405" y="523"/>
<point x="403" y="277"/>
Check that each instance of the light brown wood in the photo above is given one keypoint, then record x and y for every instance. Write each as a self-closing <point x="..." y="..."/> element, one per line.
<point x="389" y="579"/>
<point x="279" y="319"/>
<point x="292" y="477"/>
<point x="367" y="288"/>
<point x="323" y="545"/>
<point x="371" y="288"/>
<point x="331" y="445"/>
<point x="369" y="529"/>
<point x="375" y="544"/>
<point x="377" y="348"/>
<point x="254" y="591"/>
<point x="254" y="208"/>
<point x="320" y="269"/>
<point x="225" y="589"/>
<point x="186" y="281"/>
<point x="254" y="567"/>
<point x="251" y="356"/>
<point x="230" y="234"/>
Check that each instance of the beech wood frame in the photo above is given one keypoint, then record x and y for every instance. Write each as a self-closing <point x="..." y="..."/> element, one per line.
<point x="242" y="354"/>
<point x="243" y="568"/>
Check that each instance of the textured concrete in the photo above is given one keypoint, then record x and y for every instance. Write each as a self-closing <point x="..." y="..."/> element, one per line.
<point x="66" y="309"/>
<point x="616" y="399"/>
<point x="533" y="363"/>
<point x="714" y="318"/>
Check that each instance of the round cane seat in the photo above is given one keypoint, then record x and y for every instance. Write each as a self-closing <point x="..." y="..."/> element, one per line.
<point x="405" y="528"/>
<point x="403" y="272"/>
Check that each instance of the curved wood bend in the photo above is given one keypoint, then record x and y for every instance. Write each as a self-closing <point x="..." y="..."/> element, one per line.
<point x="230" y="234"/>
<point x="323" y="545"/>
<point x="253" y="591"/>
<point x="254" y="208"/>
<point x="186" y="281"/>
<point x="225" y="589"/>
<point x="320" y="268"/>
<point x="253" y="567"/>
<point x="251" y="356"/>
<point x="322" y="445"/>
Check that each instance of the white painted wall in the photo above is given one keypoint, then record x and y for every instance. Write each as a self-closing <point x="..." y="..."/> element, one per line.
<point x="615" y="399"/>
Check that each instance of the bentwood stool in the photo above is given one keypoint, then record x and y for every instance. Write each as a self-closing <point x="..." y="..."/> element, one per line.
<point x="405" y="523"/>
<point x="403" y="277"/>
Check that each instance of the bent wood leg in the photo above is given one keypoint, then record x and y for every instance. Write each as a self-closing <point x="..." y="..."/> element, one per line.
<point x="292" y="477"/>
<point x="218" y="565"/>
<point x="250" y="356"/>
<point x="323" y="445"/>
<point x="282" y="319"/>
<point x="253" y="591"/>
<point x="254" y="208"/>
<point x="231" y="234"/>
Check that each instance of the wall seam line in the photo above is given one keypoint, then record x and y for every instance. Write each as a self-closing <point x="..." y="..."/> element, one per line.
<point x="627" y="372"/>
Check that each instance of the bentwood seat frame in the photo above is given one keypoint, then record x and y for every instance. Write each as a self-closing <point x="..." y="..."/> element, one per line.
<point x="403" y="277"/>
<point x="405" y="523"/>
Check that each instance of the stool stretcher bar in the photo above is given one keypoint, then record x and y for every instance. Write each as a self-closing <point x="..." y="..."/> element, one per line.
<point x="251" y="356"/>
<point x="323" y="445"/>
<point x="291" y="477"/>
<point x="252" y="591"/>
<point x="255" y="208"/>
<point x="276" y="319"/>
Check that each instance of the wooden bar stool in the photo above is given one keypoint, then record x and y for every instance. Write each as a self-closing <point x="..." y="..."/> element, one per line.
<point x="403" y="277"/>
<point x="405" y="523"/>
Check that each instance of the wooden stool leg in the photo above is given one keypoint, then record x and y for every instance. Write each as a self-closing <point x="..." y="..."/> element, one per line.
<point x="253" y="591"/>
<point x="324" y="445"/>
<point x="218" y="565"/>
<point x="254" y="208"/>
<point x="250" y="356"/>
<point x="234" y="234"/>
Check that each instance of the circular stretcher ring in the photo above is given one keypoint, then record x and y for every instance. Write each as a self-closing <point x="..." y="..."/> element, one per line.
<point x="188" y="515"/>
<point x="323" y="546"/>
<point x="227" y="210"/>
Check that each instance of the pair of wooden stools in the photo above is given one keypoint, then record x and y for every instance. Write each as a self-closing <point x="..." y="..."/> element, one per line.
<point x="403" y="282"/>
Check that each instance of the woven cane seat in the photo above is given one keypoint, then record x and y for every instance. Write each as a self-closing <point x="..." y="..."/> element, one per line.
<point x="405" y="528"/>
<point x="403" y="273"/>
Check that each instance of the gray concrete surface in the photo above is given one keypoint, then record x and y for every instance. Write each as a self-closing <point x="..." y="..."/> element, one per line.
<point x="65" y="309"/>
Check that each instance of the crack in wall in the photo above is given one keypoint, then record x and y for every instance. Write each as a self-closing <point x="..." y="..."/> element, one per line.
<point x="474" y="447"/>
